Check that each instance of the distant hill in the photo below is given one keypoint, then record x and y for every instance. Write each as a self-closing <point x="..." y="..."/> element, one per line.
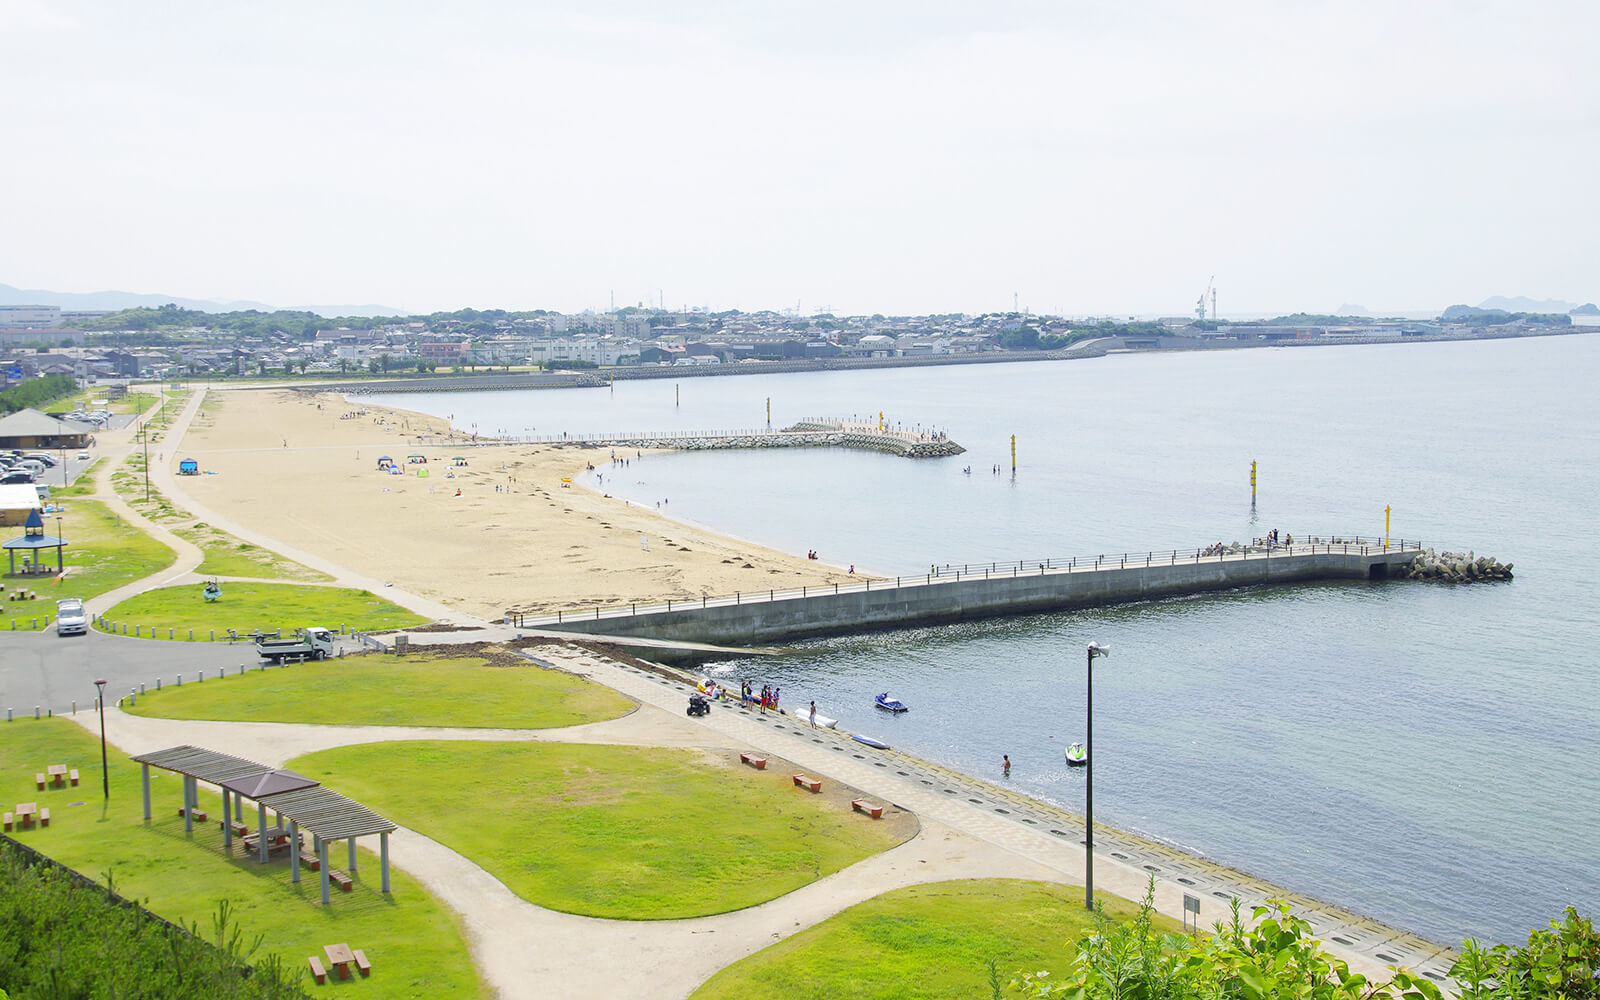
<point x="113" y="301"/>
<point x="1350" y="310"/>
<point x="1523" y="304"/>
<point x="1587" y="309"/>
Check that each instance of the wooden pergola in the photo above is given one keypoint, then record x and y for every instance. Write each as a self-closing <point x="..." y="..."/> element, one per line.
<point x="293" y="797"/>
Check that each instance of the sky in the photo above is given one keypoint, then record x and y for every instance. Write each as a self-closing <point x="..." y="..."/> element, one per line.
<point x="1074" y="157"/>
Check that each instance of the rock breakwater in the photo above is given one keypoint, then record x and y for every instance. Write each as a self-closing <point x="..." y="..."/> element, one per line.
<point x="1457" y="567"/>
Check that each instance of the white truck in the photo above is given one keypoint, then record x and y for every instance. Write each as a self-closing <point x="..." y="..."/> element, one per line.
<point x="313" y="643"/>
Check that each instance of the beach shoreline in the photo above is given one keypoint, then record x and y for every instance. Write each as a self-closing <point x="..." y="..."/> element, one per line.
<point x="483" y="527"/>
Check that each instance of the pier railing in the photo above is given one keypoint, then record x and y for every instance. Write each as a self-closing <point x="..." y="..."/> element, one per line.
<point x="952" y="573"/>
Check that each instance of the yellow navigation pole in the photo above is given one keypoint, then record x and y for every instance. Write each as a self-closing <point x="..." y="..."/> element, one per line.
<point x="1252" y="482"/>
<point x="880" y="420"/>
<point x="1013" y="454"/>
<point x="1386" y="510"/>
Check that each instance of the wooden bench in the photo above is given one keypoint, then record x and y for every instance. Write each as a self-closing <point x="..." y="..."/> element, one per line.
<point x="199" y="814"/>
<point x="814" y="784"/>
<point x="239" y="829"/>
<point x="870" y="808"/>
<point x="311" y="861"/>
<point x="73" y="774"/>
<point x="8" y="822"/>
<point x="38" y="779"/>
<point x="340" y="879"/>
<point x="317" y="971"/>
<point x="362" y="965"/>
<point x="44" y="816"/>
<point x="759" y="763"/>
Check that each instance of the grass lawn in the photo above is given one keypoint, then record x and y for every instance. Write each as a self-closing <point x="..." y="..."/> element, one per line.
<point x="129" y="483"/>
<point x="416" y="945"/>
<point x="103" y="553"/>
<point x="923" y="942"/>
<point x="607" y="831"/>
<point x="227" y="555"/>
<point x="391" y="690"/>
<point x="267" y="606"/>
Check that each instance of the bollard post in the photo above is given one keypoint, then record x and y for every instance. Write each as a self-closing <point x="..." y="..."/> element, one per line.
<point x="180" y="680"/>
<point x="158" y="684"/>
<point x="35" y="622"/>
<point x="241" y="670"/>
<point x="169" y="633"/>
<point x="201" y="679"/>
<point x="213" y="635"/>
<point x="36" y="711"/>
<point x="74" y="707"/>
<point x="191" y="635"/>
<point x="138" y="630"/>
<point x="141" y="689"/>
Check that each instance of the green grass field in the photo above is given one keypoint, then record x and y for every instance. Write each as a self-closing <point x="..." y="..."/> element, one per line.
<point x="227" y="555"/>
<point x="246" y="607"/>
<point x="103" y="553"/>
<point x="390" y="690"/>
<point x="923" y="942"/>
<point x="416" y="945"/>
<point x="607" y="831"/>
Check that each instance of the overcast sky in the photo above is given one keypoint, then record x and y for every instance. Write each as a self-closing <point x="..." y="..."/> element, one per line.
<point x="914" y="157"/>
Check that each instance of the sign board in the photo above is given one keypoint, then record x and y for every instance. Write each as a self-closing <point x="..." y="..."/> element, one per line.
<point x="1191" y="905"/>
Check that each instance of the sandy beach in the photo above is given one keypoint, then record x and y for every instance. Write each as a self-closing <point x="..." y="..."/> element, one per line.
<point x="503" y="533"/>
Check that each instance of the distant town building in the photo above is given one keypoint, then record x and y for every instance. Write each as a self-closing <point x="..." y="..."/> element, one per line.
<point x="29" y="317"/>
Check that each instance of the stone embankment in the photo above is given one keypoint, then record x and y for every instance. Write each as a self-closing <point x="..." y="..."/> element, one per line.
<point x="1457" y="567"/>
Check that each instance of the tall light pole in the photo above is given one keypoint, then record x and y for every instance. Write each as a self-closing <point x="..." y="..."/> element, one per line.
<point x="144" y="429"/>
<point x="105" y="774"/>
<point x="1095" y="649"/>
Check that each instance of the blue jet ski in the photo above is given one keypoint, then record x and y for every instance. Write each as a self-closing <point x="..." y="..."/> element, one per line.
<point x="891" y="704"/>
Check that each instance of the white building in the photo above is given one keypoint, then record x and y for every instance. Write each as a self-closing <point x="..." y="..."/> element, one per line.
<point x="29" y="317"/>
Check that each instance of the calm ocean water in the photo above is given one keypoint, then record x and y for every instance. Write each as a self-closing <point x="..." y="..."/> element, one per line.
<point x="1426" y="754"/>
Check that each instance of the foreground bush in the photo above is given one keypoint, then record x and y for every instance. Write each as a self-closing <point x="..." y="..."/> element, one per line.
<point x="1276" y="957"/>
<point x="61" y="937"/>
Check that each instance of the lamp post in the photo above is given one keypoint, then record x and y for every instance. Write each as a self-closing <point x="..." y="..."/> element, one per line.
<point x="144" y="430"/>
<point x="1095" y="649"/>
<point x="105" y="775"/>
<point x="59" y="543"/>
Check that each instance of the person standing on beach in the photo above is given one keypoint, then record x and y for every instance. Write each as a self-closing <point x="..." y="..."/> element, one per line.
<point x="813" y="713"/>
<point x="1005" y="764"/>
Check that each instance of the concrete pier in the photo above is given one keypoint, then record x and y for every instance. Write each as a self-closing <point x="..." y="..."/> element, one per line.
<point x="991" y="591"/>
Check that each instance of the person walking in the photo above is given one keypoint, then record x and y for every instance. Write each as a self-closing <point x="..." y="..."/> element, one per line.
<point x="1005" y="764"/>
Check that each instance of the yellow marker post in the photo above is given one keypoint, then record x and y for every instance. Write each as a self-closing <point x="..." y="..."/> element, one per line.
<point x="1013" y="454"/>
<point x="1386" y="511"/>
<point x="1252" y="480"/>
<point x="880" y="420"/>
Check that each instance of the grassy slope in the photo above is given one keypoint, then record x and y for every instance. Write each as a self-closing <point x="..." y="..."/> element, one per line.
<point x="250" y="606"/>
<point x="608" y="831"/>
<point x="924" y="942"/>
<point x="227" y="555"/>
<point x="416" y="945"/>
<point x="394" y="691"/>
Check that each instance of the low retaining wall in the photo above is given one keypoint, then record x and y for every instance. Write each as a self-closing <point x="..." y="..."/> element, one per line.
<point x="775" y="439"/>
<point x="760" y="618"/>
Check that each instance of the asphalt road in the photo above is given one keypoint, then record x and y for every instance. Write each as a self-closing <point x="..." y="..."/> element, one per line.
<point x="50" y="671"/>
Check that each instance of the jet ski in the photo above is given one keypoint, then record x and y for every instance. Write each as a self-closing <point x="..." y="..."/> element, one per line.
<point x="1077" y="756"/>
<point x="890" y="704"/>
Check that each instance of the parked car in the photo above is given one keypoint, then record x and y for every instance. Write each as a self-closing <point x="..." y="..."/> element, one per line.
<point x="38" y="456"/>
<point x="29" y="465"/>
<point x="16" y="476"/>
<point x="83" y="456"/>
<point x="70" y="617"/>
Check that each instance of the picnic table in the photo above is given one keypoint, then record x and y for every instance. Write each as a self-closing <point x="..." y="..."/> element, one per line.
<point x="26" y="812"/>
<point x="340" y="957"/>
<point x="57" y="773"/>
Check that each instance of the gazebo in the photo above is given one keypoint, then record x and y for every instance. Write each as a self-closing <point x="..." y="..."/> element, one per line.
<point x="293" y="797"/>
<point x="33" y="540"/>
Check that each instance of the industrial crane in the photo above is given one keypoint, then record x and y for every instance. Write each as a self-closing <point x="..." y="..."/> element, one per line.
<point x="1200" y="305"/>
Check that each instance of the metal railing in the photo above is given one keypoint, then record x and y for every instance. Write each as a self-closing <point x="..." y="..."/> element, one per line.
<point x="1362" y="545"/>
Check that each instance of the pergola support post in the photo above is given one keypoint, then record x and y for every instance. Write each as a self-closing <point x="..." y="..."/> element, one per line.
<point x="188" y="804"/>
<point x="322" y="859"/>
<point x="383" y="856"/>
<point x="145" y="768"/>
<point x="227" y="821"/>
<point x="261" y="830"/>
<point x="294" y="852"/>
<point x="352" y="855"/>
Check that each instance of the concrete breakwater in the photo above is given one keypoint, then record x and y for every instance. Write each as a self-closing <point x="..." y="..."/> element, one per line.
<point x="815" y="435"/>
<point x="991" y="591"/>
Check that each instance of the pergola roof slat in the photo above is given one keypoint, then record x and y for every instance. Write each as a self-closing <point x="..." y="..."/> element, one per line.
<point x="328" y="814"/>
<point x="198" y="762"/>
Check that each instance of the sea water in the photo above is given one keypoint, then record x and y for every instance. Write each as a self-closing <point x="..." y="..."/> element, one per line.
<point x="1426" y="754"/>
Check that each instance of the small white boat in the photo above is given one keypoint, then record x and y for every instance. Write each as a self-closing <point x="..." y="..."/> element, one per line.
<point x="1077" y="756"/>
<point x="804" y="715"/>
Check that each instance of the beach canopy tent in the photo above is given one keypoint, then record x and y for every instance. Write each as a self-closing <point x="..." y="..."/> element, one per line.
<point x="417" y="459"/>
<point x="33" y="540"/>
<point x="384" y="461"/>
<point x="188" y="467"/>
<point x="293" y="797"/>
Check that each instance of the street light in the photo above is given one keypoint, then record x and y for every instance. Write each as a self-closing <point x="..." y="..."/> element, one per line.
<point x="105" y="775"/>
<point x="1095" y="649"/>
